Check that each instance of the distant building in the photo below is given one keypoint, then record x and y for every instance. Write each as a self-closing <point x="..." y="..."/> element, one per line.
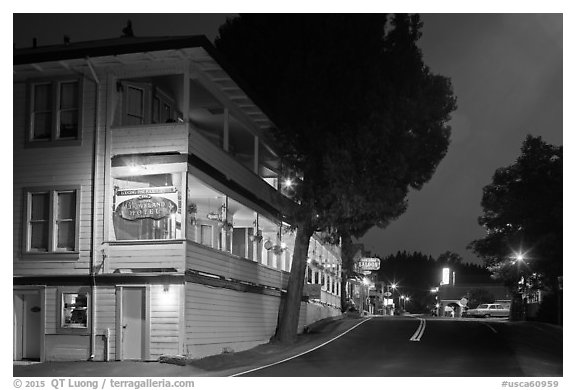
<point x="455" y="296"/>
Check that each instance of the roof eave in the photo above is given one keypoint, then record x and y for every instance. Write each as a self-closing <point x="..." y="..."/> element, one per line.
<point x="60" y="53"/>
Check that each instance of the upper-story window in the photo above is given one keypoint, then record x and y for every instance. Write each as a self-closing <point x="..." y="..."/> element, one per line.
<point x="55" y="111"/>
<point x="145" y="103"/>
<point x="51" y="220"/>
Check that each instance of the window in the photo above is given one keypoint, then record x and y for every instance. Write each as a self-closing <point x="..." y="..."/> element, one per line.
<point x="51" y="221"/>
<point x="163" y="108"/>
<point x="74" y="312"/>
<point x="134" y="105"/>
<point x="144" y="103"/>
<point x="147" y="207"/>
<point x="206" y="235"/>
<point x="55" y="111"/>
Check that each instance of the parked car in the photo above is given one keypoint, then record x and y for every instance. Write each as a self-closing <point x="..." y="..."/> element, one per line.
<point x="488" y="310"/>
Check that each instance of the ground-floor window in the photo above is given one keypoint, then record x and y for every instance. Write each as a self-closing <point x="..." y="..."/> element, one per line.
<point x="74" y="310"/>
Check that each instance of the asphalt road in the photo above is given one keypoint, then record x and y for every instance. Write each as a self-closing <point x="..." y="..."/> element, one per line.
<point x="430" y="347"/>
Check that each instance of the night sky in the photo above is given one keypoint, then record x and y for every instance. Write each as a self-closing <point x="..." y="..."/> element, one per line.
<point x="506" y="71"/>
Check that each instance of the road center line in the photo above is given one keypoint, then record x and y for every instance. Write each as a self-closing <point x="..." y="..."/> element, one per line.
<point x="302" y="353"/>
<point x="420" y="331"/>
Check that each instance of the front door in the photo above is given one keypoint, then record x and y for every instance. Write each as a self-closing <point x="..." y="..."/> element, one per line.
<point x="133" y="322"/>
<point x="27" y="325"/>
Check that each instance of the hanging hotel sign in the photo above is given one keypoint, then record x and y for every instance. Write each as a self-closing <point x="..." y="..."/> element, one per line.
<point x="152" y="202"/>
<point x="369" y="264"/>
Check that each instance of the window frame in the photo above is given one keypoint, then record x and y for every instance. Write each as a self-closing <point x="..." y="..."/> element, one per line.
<point x="154" y="100"/>
<point x="157" y="112"/>
<point x="144" y="114"/>
<point x="52" y="251"/>
<point x="60" y="328"/>
<point x="55" y="110"/>
<point x="120" y="172"/>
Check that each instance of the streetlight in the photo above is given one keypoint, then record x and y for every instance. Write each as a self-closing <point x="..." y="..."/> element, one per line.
<point x="403" y="299"/>
<point x="394" y="286"/>
<point x="366" y="283"/>
<point x="388" y="296"/>
<point x="519" y="258"/>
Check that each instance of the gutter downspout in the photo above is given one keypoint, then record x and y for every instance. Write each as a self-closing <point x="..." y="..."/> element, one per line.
<point x="93" y="209"/>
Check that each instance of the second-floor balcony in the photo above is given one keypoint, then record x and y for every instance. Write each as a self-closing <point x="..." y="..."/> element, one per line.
<point x="205" y="155"/>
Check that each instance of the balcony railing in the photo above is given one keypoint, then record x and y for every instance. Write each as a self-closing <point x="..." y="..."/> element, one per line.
<point x="156" y="138"/>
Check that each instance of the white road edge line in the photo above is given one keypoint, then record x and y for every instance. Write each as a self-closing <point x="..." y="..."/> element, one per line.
<point x="490" y="326"/>
<point x="302" y="353"/>
<point x="420" y="331"/>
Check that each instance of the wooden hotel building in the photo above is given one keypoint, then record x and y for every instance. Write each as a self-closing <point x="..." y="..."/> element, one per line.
<point x="148" y="215"/>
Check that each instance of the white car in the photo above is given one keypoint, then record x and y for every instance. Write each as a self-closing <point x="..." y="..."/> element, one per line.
<point x="489" y="310"/>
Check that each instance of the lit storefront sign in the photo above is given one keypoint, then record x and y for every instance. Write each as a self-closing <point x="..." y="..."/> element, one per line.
<point x="369" y="264"/>
<point x="445" y="276"/>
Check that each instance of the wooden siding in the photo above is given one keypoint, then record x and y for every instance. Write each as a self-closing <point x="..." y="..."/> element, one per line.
<point x="165" y="321"/>
<point x="51" y="166"/>
<point x="311" y="312"/>
<point x="51" y="312"/>
<point x="105" y="313"/>
<point x="219" y="319"/>
<point x="212" y="261"/>
<point x="140" y="255"/>
<point x="171" y="137"/>
<point x="60" y="347"/>
<point x="329" y="298"/>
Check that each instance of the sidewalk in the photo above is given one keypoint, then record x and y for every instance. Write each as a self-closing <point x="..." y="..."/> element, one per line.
<point x="213" y="366"/>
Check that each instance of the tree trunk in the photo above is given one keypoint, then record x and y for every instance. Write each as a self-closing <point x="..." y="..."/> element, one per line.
<point x="343" y="292"/>
<point x="287" y="329"/>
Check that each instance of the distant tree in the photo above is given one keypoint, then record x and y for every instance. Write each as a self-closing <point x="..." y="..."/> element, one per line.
<point x="450" y="258"/>
<point x="478" y="296"/>
<point x="414" y="273"/>
<point x="360" y="118"/>
<point x="523" y="215"/>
